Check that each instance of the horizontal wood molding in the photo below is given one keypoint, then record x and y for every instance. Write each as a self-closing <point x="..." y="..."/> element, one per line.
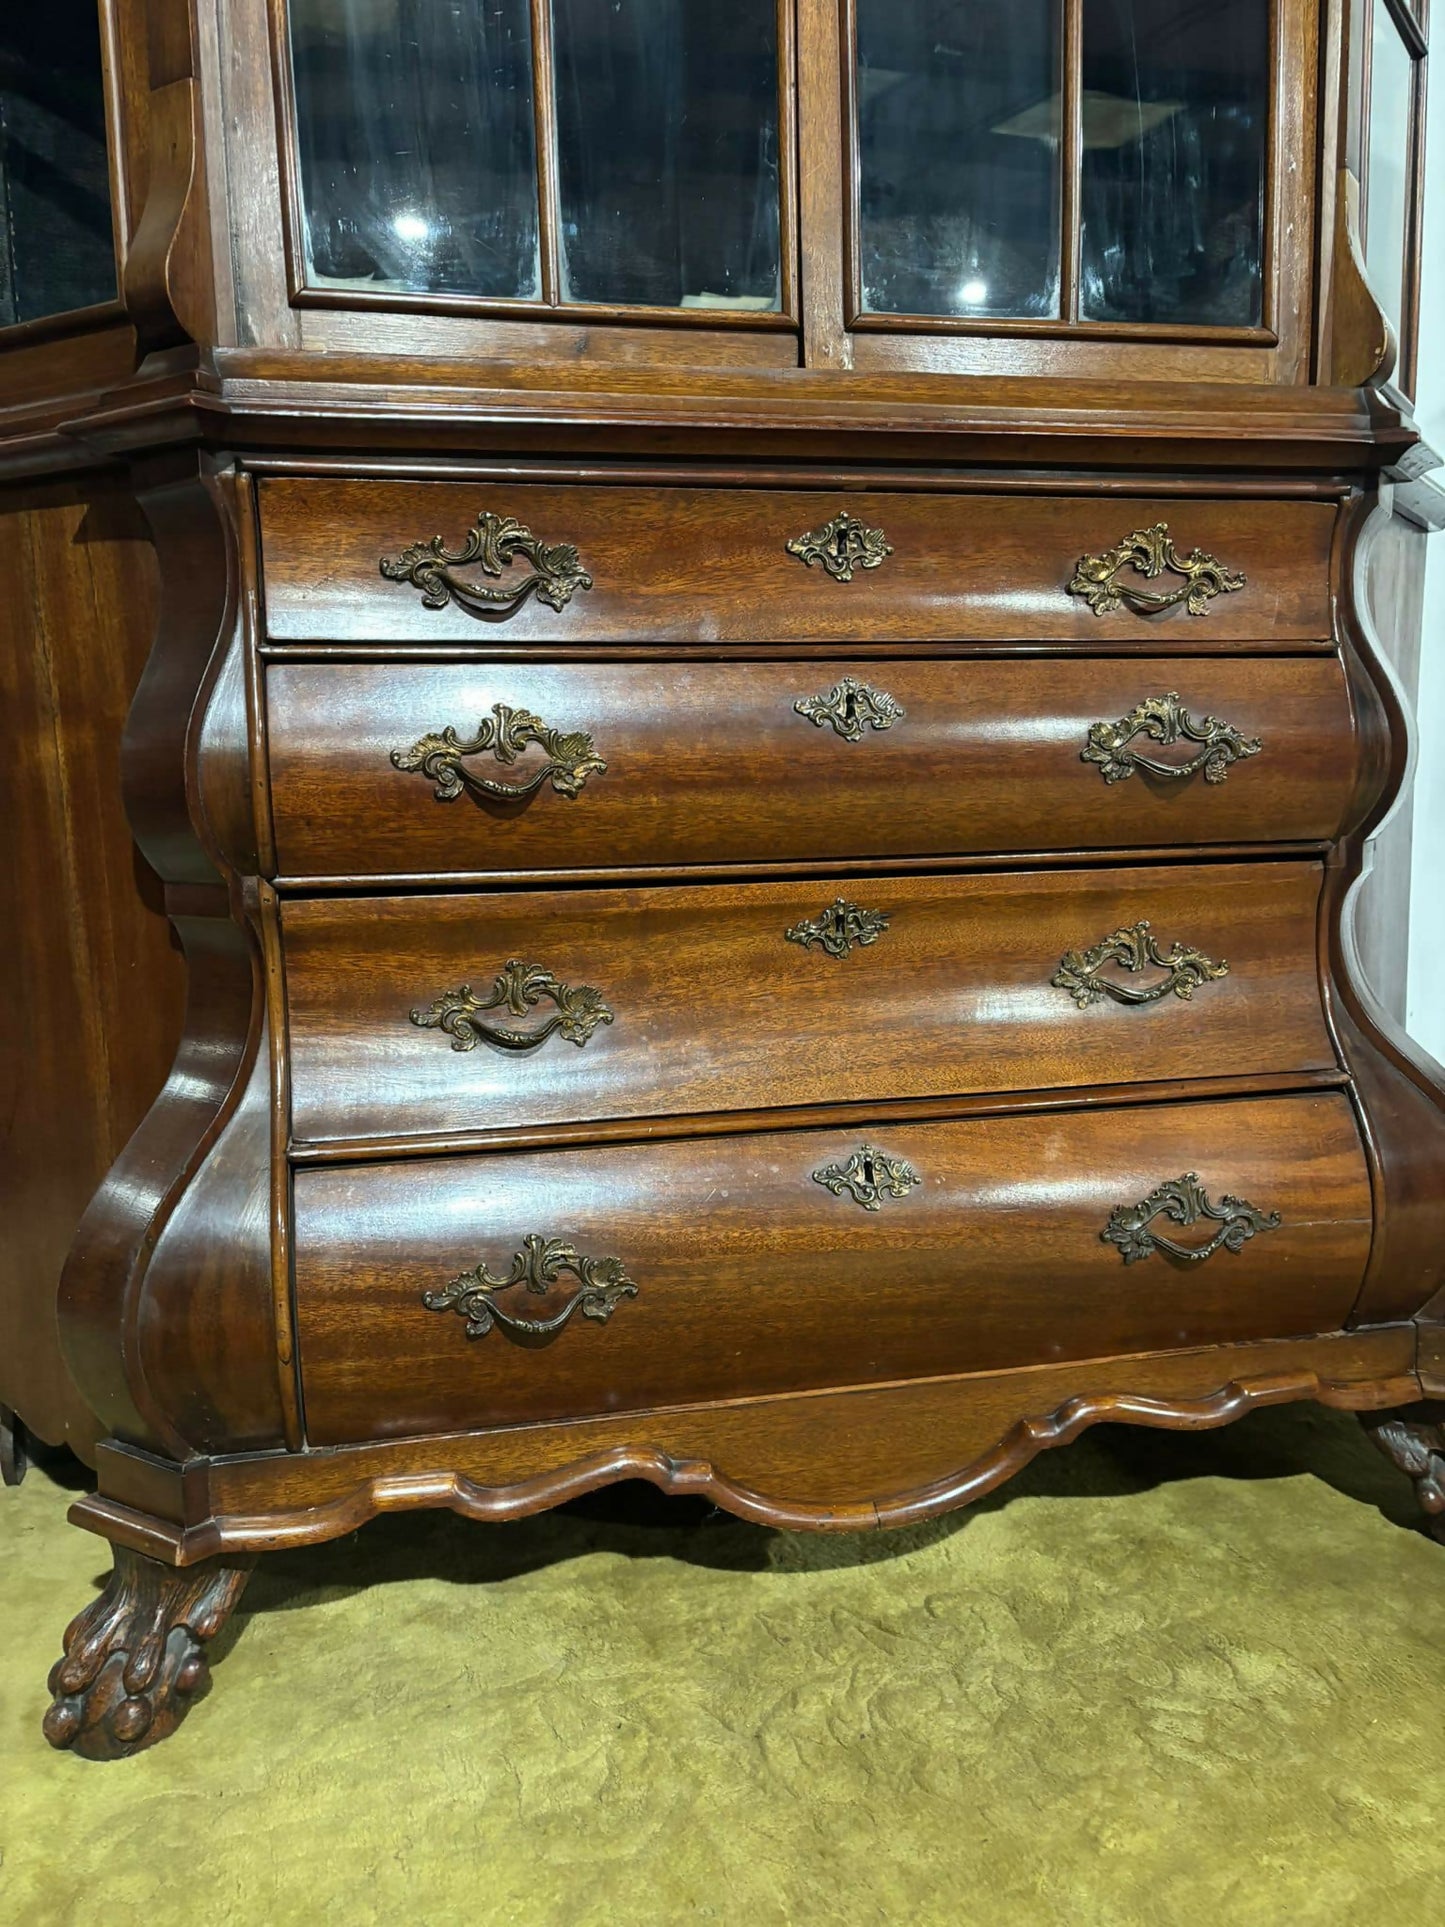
<point x="895" y="1454"/>
<point x="663" y="1128"/>
<point x="373" y="405"/>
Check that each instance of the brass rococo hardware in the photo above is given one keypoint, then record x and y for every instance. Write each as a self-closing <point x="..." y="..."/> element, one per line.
<point x="1152" y="551"/>
<point x="504" y="735"/>
<point x="602" y="1285"/>
<point x="519" y="987"/>
<point x="1165" y="720"/>
<point x="868" y="1177"/>
<point x="1184" y="1202"/>
<point x="842" y="545"/>
<point x="495" y="541"/>
<point x="1134" y="948"/>
<point x="840" y="928"/>
<point x="850" y="707"/>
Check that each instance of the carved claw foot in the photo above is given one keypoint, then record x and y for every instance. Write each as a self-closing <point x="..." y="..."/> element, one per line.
<point x="135" y="1659"/>
<point x="1414" y="1439"/>
<point x="13" y="1461"/>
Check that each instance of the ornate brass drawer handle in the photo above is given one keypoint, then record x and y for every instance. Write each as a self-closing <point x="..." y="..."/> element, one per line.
<point x="494" y="542"/>
<point x="504" y="735"/>
<point x="1080" y="971"/>
<point x="840" y="929"/>
<point x="520" y="987"/>
<point x="1165" y="720"/>
<point x="1184" y="1202"/>
<point x="842" y="545"/>
<point x="868" y="1177"/>
<point x="602" y="1285"/>
<point x="849" y="708"/>
<point x="1151" y="552"/>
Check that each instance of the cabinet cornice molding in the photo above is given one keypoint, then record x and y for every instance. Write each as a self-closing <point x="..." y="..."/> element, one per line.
<point x="271" y="409"/>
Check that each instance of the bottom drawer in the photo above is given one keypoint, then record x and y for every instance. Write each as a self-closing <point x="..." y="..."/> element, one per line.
<point x="735" y="1266"/>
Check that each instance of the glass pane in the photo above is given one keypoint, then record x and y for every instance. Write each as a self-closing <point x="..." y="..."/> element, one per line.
<point x="58" y="248"/>
<point x="417" y="145"/>
<point x="1176" y="118"/>
<point x="958" y="145"/>
<point x="1392" y="98"/>
<point x="667" y="136"/>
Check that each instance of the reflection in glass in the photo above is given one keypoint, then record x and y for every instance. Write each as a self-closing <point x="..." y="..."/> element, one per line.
<point x="667" y="135"/>
<point x="1392" y="94"/>
<point x="417" y="145"/>
<point x="1176" y="113"/>
<point x="958" y="150"/>
<point x="57" y="250"/>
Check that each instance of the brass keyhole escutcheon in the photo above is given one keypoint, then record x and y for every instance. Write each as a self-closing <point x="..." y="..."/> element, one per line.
<point x="841" y="546"/>
<point x="868" y="1177"/>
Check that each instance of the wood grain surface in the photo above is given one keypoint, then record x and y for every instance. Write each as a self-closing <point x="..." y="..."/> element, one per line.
<point x="90" y="974"/>
<point x="705" y="565"/>
<point x="713" y="1008"/>
<point x="827" y="1460"/>
<point x="711" y="762"/>
<point x="243" y="1310"/>
<point x="753" y="1278"/>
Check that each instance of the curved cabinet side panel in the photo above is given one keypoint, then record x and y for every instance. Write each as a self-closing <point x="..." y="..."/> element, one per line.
<point x="204" y="1330"/>
<point x="1404" y="1128"/>
<point x="91" y="978"/>
<point x="1400" y="1091"/>
<point x="120" y="1229"/>
<point x="185" y="763"/>
<point x="192" y="521"/>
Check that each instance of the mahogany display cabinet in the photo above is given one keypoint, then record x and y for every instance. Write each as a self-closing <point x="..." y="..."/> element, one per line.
<point x="695" y="700"/>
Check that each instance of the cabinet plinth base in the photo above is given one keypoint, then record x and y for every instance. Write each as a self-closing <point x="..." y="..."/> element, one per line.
<point x="135" y="1659"/>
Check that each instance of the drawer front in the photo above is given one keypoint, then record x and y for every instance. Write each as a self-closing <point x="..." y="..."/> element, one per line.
<point x="624" y="765"/>
<point x="724" y="1267"/>
<point x="417" y="1015"/>
<point x="676" y="565"/>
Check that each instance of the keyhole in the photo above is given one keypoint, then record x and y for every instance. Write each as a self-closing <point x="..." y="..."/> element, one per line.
<point x="850" y="707"/>
<point x="870" y="1174"/>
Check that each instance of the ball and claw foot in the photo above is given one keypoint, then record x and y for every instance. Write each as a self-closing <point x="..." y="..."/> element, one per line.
<point x="13" y="1459"/>
<point x="135" y="1659"/>
<point x="1413" y="1437"/>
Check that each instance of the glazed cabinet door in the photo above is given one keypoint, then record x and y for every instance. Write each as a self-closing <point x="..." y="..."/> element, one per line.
<point x="1099" y="188"/>
<point x="57" y="226"/>
<point x="1018" y="175"/>
<point x="1385" y="150"/>
<point x="631" y="160"/>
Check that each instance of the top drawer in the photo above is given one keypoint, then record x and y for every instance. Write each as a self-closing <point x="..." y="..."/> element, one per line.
<point x="688" y="565"/>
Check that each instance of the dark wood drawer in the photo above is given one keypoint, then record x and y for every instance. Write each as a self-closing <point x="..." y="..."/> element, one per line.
<point x="676" y="565"/>
<point x="579" y="1005"/>
<point x="751" y="1276"/>
<point x="714" y="763"/>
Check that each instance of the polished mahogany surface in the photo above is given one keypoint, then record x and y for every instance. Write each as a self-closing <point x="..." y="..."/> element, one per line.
<point x="729" y="998"/>
<point x="753" y="1278"/>
<point x="89" y="967"/>
<point x="768" y="898"/>
<point x="713" y="763"/>
<point x="711" y="566"/>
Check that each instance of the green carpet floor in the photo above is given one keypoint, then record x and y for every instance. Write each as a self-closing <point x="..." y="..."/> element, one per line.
<point x="1160" y="1679"/>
